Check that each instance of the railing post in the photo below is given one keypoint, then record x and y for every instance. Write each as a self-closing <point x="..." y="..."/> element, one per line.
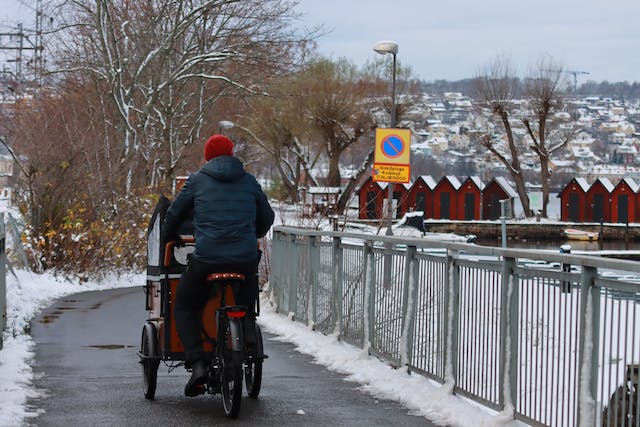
<point x="451" y="320"/>
<point x="409" y="302"/>
<point x="3" y="280"/>
<point x="369" y="295"/>
<point x="312" y="278"/>
<point x="293" y="262"/>
<point x="277" y="272"/>
<point x="336" y="281"/>
<point x="588" y="347"/>
<point x="509" y="302"/>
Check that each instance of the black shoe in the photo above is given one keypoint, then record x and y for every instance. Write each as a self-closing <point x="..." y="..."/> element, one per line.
<point x="199" y="373"/>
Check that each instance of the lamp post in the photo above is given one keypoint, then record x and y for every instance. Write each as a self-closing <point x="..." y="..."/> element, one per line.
<point x="224" y="125"/>
<point x="383" y="48"/>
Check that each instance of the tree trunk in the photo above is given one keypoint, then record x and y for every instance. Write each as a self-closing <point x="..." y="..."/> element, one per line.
<point x="522" y="192"/>
<point x="333" y="178"/>
<point x="545" y="177"/>
<point x="514" y="167"/>
<point x="345" y="196"/>
<point x="292" y="190"/>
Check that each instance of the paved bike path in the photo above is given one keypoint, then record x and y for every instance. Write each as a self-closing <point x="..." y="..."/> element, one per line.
<point x="86" y="351"/>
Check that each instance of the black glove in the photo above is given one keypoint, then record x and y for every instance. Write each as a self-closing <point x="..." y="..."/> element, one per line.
<point x="166" y="238"/>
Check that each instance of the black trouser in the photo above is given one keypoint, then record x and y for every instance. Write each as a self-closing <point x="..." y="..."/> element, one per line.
<point x="192" y="296"/>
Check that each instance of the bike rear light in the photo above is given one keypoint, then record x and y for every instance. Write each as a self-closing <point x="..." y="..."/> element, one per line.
<point x="236" y="314"/>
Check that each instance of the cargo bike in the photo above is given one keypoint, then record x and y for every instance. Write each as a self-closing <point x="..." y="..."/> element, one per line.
<point x="223" y="333"/>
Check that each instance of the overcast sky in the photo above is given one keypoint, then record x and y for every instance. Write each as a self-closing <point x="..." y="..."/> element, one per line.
<point x="454" y="39"/>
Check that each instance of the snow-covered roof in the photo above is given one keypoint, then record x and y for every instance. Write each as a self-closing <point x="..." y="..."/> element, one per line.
<point x="583" y="184"/>
<point x="504" y="184"/>
<point x="477" y="181"/>
<point x="582" y="152"/>
<point x="631" y="183"/>
<point x="606" y="183"/>
<point x="323" y="190"/>
<point x="626" y="148"/>
<point x="452" y="180"/>
<point x="428" y="179"/>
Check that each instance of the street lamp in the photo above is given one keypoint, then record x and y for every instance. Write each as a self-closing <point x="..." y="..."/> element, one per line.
<point x="224" y="125"/>
<point x="383" y="48"/>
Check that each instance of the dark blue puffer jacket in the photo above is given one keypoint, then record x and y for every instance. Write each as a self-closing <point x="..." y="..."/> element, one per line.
<point x="230" y="212"/>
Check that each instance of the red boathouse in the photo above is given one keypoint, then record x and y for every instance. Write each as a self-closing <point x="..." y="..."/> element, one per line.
<point x="445" y="198"/>
<point x="573" y="205"/>
<point x="623" y="201"/>
<point x="469" y="199"/>
<point x="421" y="195"/>
<point x="598" y="200"/>
<point x="497" y="189"/>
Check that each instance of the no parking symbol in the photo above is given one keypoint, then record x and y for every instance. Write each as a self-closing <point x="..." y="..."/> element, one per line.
<point x="392" y="146"/>
<point x="392" y="155"/>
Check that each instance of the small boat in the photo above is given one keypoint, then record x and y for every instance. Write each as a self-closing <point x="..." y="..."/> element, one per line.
<point x="573" y="234"/>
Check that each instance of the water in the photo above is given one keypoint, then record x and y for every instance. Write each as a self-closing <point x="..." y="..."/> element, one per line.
<point x="606" y="245"/>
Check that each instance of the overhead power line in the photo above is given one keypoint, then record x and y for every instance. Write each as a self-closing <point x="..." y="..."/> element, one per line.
<point x="17" y="42"/>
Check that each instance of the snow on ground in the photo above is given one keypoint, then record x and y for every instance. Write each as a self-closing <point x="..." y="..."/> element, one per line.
<point x="420" y="395"/>
<point x="29" y="293"/>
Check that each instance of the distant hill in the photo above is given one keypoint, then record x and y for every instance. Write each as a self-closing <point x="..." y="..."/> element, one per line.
<point x="618" y="90"/>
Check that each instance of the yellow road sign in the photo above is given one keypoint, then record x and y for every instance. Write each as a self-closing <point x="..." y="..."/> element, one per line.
<point x="391" y="173"/>
<point x="393" y="146"/>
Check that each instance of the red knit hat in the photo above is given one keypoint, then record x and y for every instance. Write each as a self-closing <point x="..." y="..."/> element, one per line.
<point x="218" y="145"/>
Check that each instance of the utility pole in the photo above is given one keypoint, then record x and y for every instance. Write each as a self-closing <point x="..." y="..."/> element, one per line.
<point x="39" y="46"/>
<point x="19" y="41"/>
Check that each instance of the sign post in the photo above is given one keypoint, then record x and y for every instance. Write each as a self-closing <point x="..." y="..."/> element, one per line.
<point x="391" y="162"/>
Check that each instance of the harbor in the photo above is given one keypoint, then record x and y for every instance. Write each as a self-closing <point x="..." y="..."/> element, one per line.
<point x="619" y="241"/>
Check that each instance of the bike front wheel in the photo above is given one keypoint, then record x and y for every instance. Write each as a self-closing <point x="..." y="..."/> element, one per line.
<point x="149" y="363"/>
<point x="231" y="378"/>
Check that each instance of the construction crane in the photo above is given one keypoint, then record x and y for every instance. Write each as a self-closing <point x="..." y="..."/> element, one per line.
<point x="575" y="73"/>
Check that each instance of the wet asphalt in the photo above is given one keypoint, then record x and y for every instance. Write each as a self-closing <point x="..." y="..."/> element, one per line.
<point x="87" y="367"/>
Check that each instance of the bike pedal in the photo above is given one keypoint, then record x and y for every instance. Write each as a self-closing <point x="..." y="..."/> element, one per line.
<point x="254" y="358"/>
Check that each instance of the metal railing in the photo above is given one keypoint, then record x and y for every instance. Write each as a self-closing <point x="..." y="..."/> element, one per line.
<point x="3" y="281"/>
<point x="552" y="338"/>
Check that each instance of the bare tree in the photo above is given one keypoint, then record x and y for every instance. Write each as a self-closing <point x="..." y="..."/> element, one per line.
<point x="346" y="107"/>
<point x="544" y="93"/>
<point x="278" y="124"/>
<point x="317" y="112"/>
<point x="339" y="109"/>
<point x="163" y="63"/>
<point x="497" y="87"/>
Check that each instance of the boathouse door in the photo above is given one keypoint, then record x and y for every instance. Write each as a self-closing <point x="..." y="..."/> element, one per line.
<point x="469" y="206"/>
<point x="598" y="207"/>
<point x="574" y="207"/>
<point x="371" y="205"/>
<point x="421" y="203"/>
<point x="494" y="207"/>
<point x="623" y="208"/>
<point x="445" y="205"/>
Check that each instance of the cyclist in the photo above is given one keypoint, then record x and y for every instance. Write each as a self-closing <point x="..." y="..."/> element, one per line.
<point x="230" y="213"/>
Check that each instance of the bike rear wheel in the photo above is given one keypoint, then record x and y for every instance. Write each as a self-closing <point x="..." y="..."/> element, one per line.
<point x="231" y="377"/>
<point x="253" y="368"/>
